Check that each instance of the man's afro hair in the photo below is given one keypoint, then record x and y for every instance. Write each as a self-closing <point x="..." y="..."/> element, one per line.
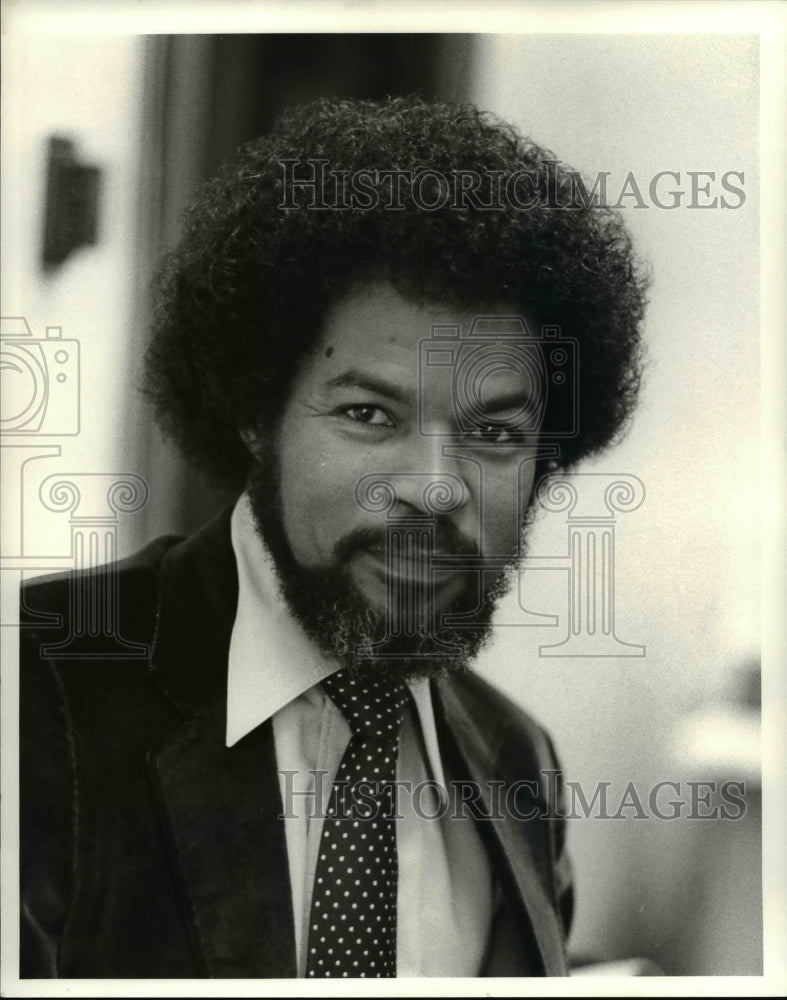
<point x="241" y="298"/>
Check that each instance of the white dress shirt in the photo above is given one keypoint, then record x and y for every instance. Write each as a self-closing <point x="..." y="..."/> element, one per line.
<point x="445" y="888"/>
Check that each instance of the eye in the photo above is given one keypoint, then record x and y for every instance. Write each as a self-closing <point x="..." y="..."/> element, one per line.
<point x="366" y="413"/>
<point x="493" y="433"/>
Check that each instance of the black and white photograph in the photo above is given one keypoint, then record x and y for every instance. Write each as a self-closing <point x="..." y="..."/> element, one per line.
<point x="392" y="498"/>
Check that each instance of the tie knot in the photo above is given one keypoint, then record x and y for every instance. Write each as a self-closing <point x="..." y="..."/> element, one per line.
<point x="373" y="709"/>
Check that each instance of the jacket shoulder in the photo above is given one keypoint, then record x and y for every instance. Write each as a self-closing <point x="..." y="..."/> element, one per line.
<point x="505" y="722"/>
<point x="52" y="592"/>
<point x="122" y="596"/>
<point x="86" y="710"/>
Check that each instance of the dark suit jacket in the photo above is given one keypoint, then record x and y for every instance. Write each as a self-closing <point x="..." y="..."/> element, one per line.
<point x="149" y="849"/>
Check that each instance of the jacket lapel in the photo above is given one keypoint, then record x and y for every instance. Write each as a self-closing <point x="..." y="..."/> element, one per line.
<point x="220" y="806"/>
<point x="474" y="742"/>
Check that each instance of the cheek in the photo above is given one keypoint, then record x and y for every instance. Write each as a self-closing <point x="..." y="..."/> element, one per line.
<point x="527" y="479"/>
<point x="318" y="483"/>
<point x="505" y="499"/>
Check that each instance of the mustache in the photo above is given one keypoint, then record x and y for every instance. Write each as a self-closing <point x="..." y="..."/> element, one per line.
<point x="447" y="540"/>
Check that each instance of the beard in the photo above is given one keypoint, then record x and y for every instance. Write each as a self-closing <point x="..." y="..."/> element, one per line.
<point x="409" y="638"/>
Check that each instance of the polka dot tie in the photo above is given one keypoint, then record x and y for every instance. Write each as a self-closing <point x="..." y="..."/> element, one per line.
<point x="352" y="931"/>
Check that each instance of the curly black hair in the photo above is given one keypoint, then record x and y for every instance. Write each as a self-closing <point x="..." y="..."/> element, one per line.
<point x="241" y="299"/>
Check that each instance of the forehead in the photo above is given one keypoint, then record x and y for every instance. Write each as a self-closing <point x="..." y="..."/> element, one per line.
<point x="377" y="322"/>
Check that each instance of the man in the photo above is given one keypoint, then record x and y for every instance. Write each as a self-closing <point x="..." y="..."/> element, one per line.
<point x="303" y="778"/>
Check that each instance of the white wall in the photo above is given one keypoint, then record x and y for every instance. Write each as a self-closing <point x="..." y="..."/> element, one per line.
<point x="688" y="559"/>
<point x="88" y="89"/>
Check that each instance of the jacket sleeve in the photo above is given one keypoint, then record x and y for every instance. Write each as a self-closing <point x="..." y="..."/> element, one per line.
<point x="48" y="813"/>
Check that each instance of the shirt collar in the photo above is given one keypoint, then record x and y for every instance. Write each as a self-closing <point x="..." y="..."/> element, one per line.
<point x="271" y="659"/>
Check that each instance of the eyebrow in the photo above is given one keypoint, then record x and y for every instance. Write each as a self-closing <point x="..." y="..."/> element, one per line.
<point x="356" y="379"/>
<point x="510" y="401"/>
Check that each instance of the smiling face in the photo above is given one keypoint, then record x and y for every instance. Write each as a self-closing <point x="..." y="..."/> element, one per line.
<point x="371" y="405"/>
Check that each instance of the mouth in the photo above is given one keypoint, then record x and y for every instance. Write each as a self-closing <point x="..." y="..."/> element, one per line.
<point x="414" y="567"/>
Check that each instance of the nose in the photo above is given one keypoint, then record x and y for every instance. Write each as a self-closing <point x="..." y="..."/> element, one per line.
<point x="427" y="480"/>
